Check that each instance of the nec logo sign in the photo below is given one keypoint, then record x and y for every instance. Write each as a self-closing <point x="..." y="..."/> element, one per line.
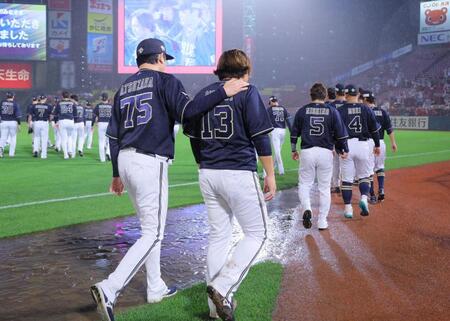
<point x="434" y="38"/>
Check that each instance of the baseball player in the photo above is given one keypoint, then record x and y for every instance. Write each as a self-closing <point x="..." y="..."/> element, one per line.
<point x="65" y="113"/>
<point x="78" y="133"/>
<point x="88" y="125"/>
<point x="361" y="125"/>
<point x="337" y="102"/>
<point x="320" y="127"/>
<point x="102" y="114"/>
<point x="54" y="122"/>
<point x="280" y="118"/>
<point x="10" y="123"/>
<point x="29" y="118"/>
<point x="384" y="120"/>
<point x="40" y="113"/>
<point x="141" y="140"/>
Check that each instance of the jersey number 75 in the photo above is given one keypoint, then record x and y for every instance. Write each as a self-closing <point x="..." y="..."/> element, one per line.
<point x="140" y="104"/>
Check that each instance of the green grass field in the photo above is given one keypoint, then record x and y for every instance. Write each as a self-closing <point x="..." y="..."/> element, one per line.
<point x="25" y="179"/>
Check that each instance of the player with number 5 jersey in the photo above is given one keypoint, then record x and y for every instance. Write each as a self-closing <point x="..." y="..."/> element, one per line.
<point x="141" y="140"/>
<point x="361" y="125"/>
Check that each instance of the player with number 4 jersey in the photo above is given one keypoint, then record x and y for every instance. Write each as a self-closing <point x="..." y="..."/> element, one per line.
<point x="361" y="126"/>
<point x="321" y="130"/>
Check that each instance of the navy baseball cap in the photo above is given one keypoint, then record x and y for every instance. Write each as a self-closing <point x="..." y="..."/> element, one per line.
<point x="340" y="89"/>
<point x="273" y="98"/>
<point x="351" y="90"/>
<point x="42" y="96"/>
<point x="368" y="94"/>
<point x="152" y="46"/>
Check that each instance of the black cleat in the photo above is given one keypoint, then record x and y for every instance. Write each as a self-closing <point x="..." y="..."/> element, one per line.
<point x="80" y="153"/>
<point x="373" y="199"/>
<point x="57" y="150"/>
<point x="108" y="158"/>
<point x="104" y="306"/>
<point x="35" y="154"/>
<point x="224" y="308"/>
<point x="380" y="197"/>
<point x="335" y="190"/>
<point x="307" y="219"/>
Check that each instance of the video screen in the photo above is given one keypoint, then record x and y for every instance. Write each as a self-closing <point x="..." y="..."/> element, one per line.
<point x="23" y="31"/>
<point x="190" y="29"/>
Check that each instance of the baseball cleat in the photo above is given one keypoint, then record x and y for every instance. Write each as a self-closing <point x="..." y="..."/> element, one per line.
<point x="307" y="219"/>
<point x="171" y="291"/>
<point x="322" y="225"/>
<point x="224" y="308"/>
<point x="364" y="208"/>
<point x="80" y="153"/>
<point x="381" y="197"/>
<point x="108" y="158"/>
<point x="348" y="211"/>
<point x="335" y="190"/>
<point x="57" y="150"/>
<point x="373" y="199"/>
<point x="104" y="306"/>
<point x="35" y="154"/>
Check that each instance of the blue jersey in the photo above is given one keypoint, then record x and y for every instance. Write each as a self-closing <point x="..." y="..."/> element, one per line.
<point x="337" y="103"/>
<point x="226" y="132"/>
<point x="103" y="112"/>
<point x="279" y="116"/>
<point x="65" y="109"/>
<point x="88" y="115"/>
<point x="41" y="112"/>
<point x="146" y="107"/>
<point x="29" y="113"/>
<point x="318" y="125"/>
<point x="359" y="121"/>
<point x="79" y="114"/>
<point x="384" y="120"/>
<point x="9" y="110"/>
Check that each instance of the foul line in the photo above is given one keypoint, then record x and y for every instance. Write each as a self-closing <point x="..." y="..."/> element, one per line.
<point x="56" y="200"/>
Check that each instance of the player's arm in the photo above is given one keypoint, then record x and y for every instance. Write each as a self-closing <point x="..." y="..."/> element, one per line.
<point x="340" y="134"/>
<point x="17" y="113"/>
<point x="374" y="129"/>
<point x="196" y="148"/>
<point x="288" y="119"/>
<point x="295" y="134"/>
<point x="186" y="108"/>
<point x="390" y="130"/>
<point x="112" y="132"/>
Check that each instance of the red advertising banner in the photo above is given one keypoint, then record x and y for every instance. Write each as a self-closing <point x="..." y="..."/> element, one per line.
<point x="16" y="76"/>
<point x="59" y="5"/>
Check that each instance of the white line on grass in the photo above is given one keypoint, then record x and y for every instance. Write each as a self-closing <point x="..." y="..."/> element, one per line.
<point x="56" y="200"/>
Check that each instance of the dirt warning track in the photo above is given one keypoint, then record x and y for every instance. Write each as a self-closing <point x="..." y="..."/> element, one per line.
<point x="392" y="265"/>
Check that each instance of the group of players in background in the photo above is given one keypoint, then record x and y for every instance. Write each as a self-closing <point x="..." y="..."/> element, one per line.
<point x="72" y="123"/>
<point x="342" y="141"/>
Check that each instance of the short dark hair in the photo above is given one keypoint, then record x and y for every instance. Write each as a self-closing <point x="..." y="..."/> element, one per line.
<point x="233" y="63"/>
<point x="331" y="93"/>
<point x="318" y="92"/>
<point x="65" y="94"/>
<point x="74" y="97"/>
<point x="370" y="99"/>
<point x="149" y="59"/>
<point x="104" y="96"/>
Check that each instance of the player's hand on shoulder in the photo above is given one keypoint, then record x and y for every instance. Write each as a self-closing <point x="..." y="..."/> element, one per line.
<point x="377" y="151"/>
<point x="234" y="86"/>
<point x="295" y="156"/>
<point x="270" y="187"/>
<point x="116" y="186"/>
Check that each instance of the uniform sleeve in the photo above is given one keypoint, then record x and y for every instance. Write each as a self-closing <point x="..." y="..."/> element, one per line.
<point x="387" y="122"/>
<point x="181" y="107"/>
<point x="17" y="113"/>
<point x="114" y="122"/>
<point x="256" y="118"/>
<point x="296" y="129"/>
<point x="191" y="127"/>
<point x="373" y="127"/>
<point x="288" y="119"/>
<point x="340" y="132"/>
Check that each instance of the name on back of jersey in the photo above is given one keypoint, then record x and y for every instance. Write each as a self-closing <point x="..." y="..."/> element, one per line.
<point x="354" y="110"/>
<point x="136" y="85"/>
<point x="317" y="111"/>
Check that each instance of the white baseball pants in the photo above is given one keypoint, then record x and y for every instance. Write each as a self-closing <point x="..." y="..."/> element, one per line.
<point x="277" y="138"/>
<point x="336" y="177"/>
<point x="40" y="137"/>
<point x="78" y="138"/>
<point x="8" y="130"/>
<point x="379" y="160"/>
<point x="145" y="179"/>
<point x="88" y="133"/>
<point x="371" y="156"/>
<point x="358" y="163"/>
<point x="315" y="162"/>
<point x="228" y="194"/>
<point x="103" y="142"/>
<point x="66" y="128"/>
<point x="57" y="135"/>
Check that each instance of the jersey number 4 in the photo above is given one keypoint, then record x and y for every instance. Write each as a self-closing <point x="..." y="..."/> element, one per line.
<point x="223" y="127"/>
<point x="355" y="125"/>
<point x="140" y="103"/>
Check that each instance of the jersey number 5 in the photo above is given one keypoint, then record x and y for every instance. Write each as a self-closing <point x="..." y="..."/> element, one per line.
<point x="223" y="127"/>
<point x="317" y="127"/>
<point x="141" y="103"/>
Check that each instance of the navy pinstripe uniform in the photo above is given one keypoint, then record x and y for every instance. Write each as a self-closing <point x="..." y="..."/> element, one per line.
<point x="224" y="142"/>
<point x="10" y="120"/>
<point x="280" y="119"/>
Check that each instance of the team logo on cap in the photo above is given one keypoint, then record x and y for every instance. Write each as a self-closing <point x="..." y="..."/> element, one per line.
<point x="163" y="48"/>
<point x="141" y="50"/>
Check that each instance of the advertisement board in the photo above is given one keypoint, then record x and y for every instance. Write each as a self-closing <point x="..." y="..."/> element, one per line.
<point x="99" y="52"/>
<point x="59" y="24"/>
<point x="434" y="16"/>
<point x="59" y="5"/>
<point x="59" y="48"/>
<point x="100" y="6"/>
<point x="410" y="122"/>
<point x="433" y="38"/>
<point x="100" y="23"/>
<point x="16" y="76"/>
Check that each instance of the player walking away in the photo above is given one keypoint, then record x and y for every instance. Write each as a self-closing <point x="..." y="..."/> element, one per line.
<point x="102" y="114"/>
<point x="10" y="122"/>
<point x="338" y="101"/>
<point x="280" y="118"/>
<point x="320" y="127"/>
<point x="361" y="125"/>
<point x="41" y="113"/>
<point x="141" y="139"/>
<point x="54" y="122"/>
<point x="78" y="133"/>
<point x="384" y="120"/>
<point x="65" y="112"/>
<point x="34" y="101"/>
<point x="88" y="125"/>
<point x="224" y="142"/>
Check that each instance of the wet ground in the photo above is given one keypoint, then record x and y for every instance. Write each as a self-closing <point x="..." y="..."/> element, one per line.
<point x="46" y="276"/>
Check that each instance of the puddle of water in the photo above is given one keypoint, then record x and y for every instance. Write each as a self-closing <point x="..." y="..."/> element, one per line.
<point x="46" y="276"/>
